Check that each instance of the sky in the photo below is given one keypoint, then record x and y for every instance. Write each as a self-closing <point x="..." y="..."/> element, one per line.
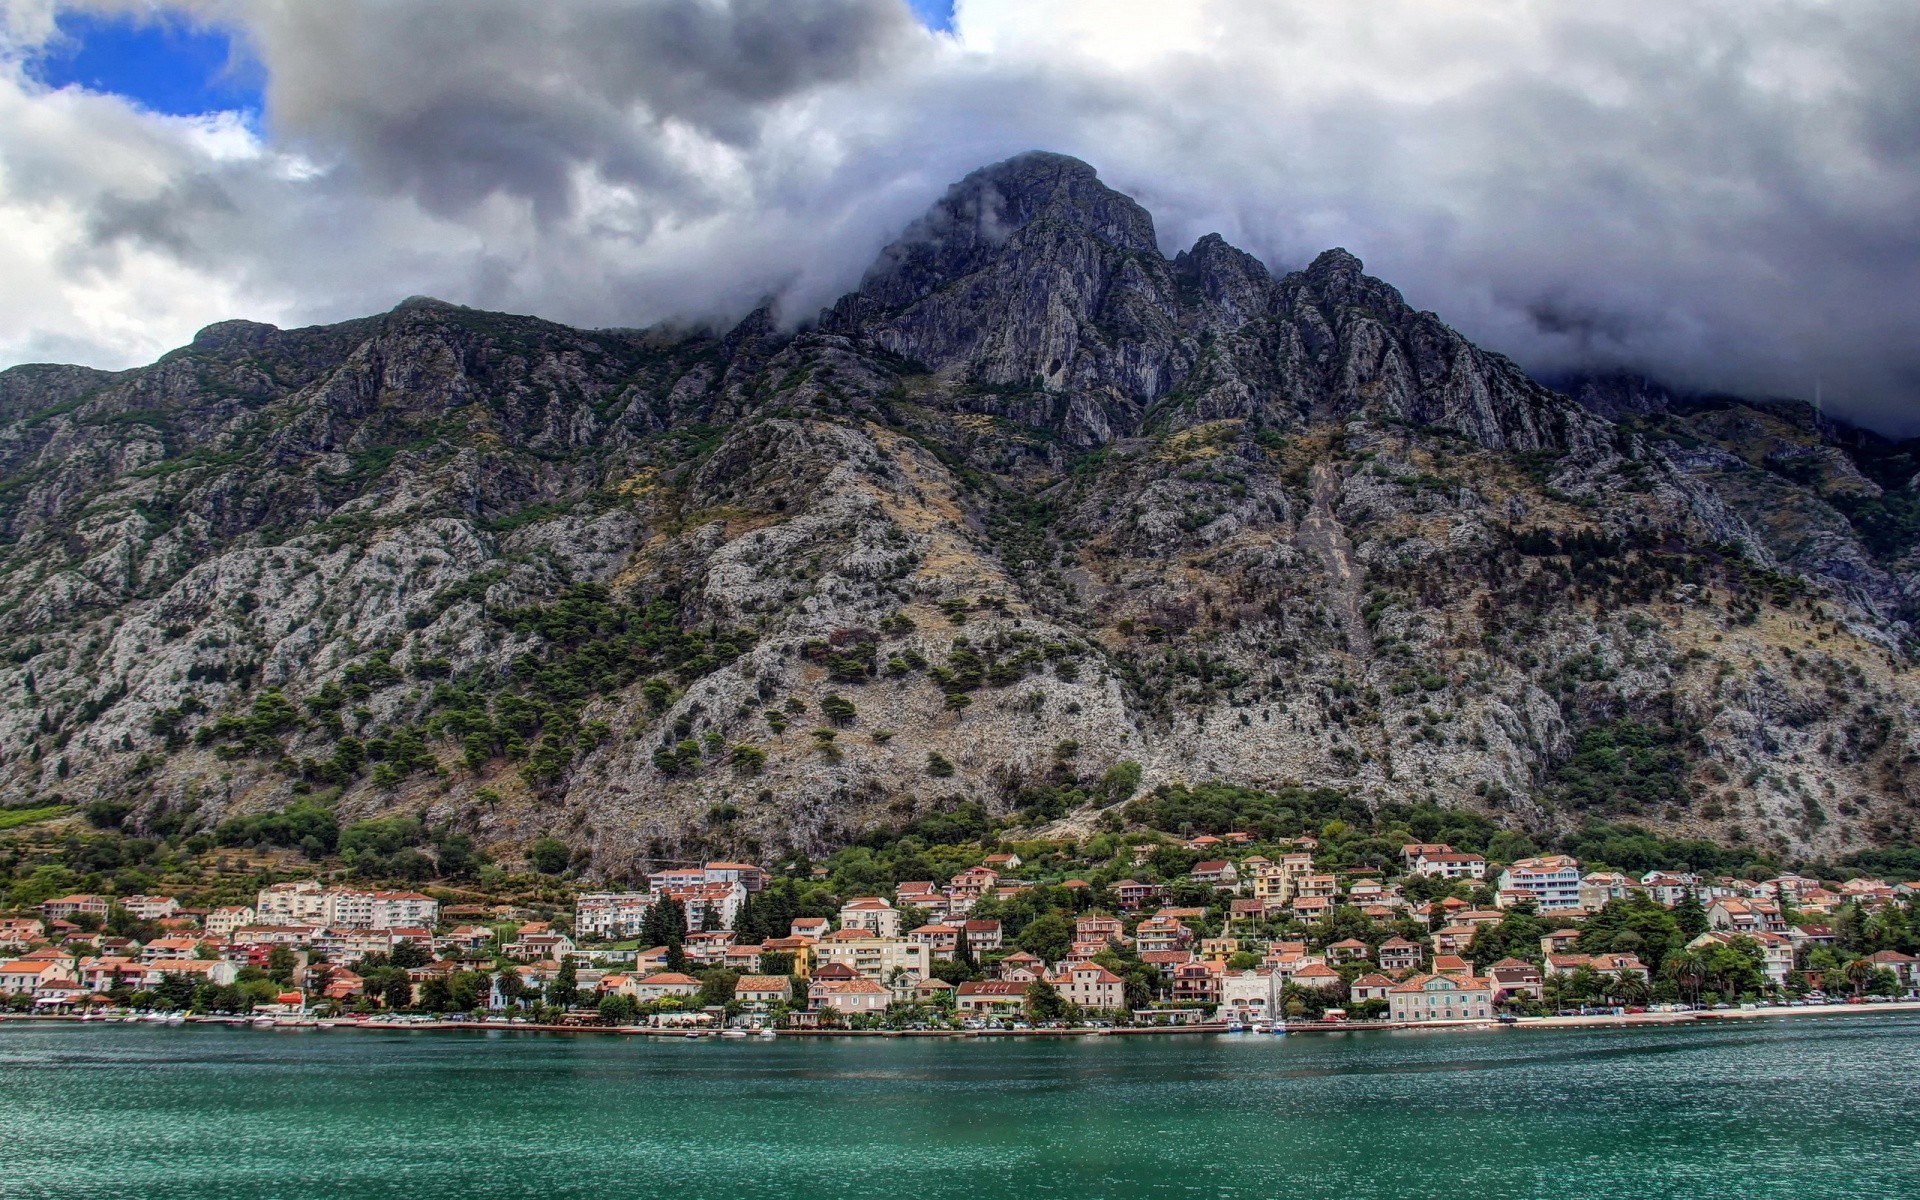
<point x="1719" y="194"/>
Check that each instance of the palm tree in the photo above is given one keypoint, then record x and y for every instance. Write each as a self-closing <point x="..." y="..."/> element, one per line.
<point x="1627" y="987"/>
<point x="1860" y="973"/>
<point x="1688" y="969"/>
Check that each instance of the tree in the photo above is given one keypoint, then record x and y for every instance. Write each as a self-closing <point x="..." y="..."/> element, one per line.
<point x="549" y="855"/>
<point x="398" y="992"/>
<point x="436" y="995"/>
<point x="565" y="989"/>
<point x="1043" y="1002"/>
<point x="616" y="1009"/>
<point x="665" y="924"/>
<point x="1859" y="973"/>
<point x="280" y="964"/>
<point x="511" y="986"/>
<point x="1049" y="937"/>
<point x="1690" y="916"/>
<point x="409" y="954"/>
<point x="963" y="955"/>
<point x="1688" y="970"/>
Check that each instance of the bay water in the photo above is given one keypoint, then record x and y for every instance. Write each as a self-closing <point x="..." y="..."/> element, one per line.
<point x="1819" y="1106"/>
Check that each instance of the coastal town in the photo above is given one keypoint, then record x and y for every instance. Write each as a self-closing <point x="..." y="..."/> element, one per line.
<point x="1227" y="931"/>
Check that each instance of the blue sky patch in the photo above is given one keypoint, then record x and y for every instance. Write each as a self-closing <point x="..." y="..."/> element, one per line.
<point x="935" y="14"/>
<point x="165" y="64"/>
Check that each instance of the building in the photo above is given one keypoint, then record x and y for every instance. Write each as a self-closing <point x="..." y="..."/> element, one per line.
<point x="1399" y="954"/>
<point x="872" y="914"/>
<point x="1370" y="987"/>
<point x="1248" y="996"/>
<point x="1450" y="864"/>
<point x="1162" y="933"/>
<point x="66" y="908"/>
<point x="609" y="916"/>
<point x="221" y="922"/>
<point x="1132" y="895"/>
<point x="1670" y="887"/>
<point x="983" y="937"/>
<point x="1321" y="977"/>
<point x="991" y="996"/>
<point x="150" y="908"/>
<point x="1441" y="998"/>
<point x="215" y="971"/>
<point x="848" y="997"/>
<point x="1732" y="914"/>
<point x="1092" y="987"/>
<point x="665" y="985"/>
<point x="1552" y="881"/>
<point x="1198" y="982"/>
<point x="1217" y="873"/>
<point x="874" y="958"/>
<point x="1512" y="977"/>
<point x="763" y="990"/>
<point x="747" y="875"/>
<point x="302" y="902"/>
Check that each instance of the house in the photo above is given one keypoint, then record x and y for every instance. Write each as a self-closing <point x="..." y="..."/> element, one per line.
<point x="1002" y="862"/>
<point x="150" y="908"/>
<point x="1205" y="841"/>
<point x="940" y="940"/>
<point x="747" y="875"/>
<point x="80" y="905"/>
<point x="1321" y="978"/>
<point x="1166" y="961"/>
<point x="1451" y="964"/>
<point x="810" y="927"/>
<point x="1441" y="998"/>
<point x="1349" y="950"/>
<point x="22" y="976"/>
<point x="872" y="914"/>
<point x="707" y="949"/>
<point x="991" y="996"/>
<point x="1248" y="995"/>
<point x="1732" y="914"/>
<point x="848" y="997"/>
<point x="1619" y="964"/>
<point x="209" y="970"/>
<point x="763" y="990"/>
<point x="1275" y="882"/>
<point x="933" y="991"/>
<point x="1453" y="939"/>
<point x="1413" y="852"/>
<point x="1552" y="881"/>
<point x="1598" y="887"/>
<point x="1217" y="873"/>
<point x="1905" y="967"/>
<point x="1198" y="983"/>
<point x="1370" y="987"/>
<point x="1399" y="954"/>
<point x="1515" y="977"/>
<point x="537" y="941"/>
<point x="1132" y="895"/>
<point x="1670" y="887"/>
<point x="1776" y="951"/>
<point x="222" y="921"/>
<point x="983" y="937"/>
<point x="170" y="948"/>
<point x="1448" y="864"/>
<point x="1022" y="966"/>
<point x="1162" y="933"/>
<point x="17" y="933"/>
<point x="1311" y="908"/>
<point x="1092" y="987"/>
<point x="665" y="985"/>
<point x="1560" y="941"/>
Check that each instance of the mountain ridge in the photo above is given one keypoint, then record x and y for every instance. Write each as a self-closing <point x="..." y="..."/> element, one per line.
<point x="1034" y="511"/>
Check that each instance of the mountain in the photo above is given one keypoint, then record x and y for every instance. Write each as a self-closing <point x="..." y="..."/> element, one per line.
<point x="1035" y="517"/>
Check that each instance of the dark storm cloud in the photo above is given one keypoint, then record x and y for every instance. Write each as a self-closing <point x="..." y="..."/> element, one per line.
<point x="459" y="102"/>
<point x="1721" y="194"/>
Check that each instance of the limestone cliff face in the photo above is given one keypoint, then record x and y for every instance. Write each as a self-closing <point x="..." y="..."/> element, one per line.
<point x="1036" y="500"/>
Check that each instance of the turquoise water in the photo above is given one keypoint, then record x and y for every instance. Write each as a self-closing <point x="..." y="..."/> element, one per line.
<point x="1808" y="1107"/>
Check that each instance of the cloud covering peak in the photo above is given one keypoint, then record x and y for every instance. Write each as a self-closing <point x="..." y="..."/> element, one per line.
<point x="1720" y="194"/>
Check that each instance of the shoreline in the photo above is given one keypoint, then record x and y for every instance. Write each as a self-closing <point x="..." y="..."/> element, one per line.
<point x="1595" y="1021"/>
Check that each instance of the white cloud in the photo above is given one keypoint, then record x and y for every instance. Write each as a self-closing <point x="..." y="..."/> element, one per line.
<point x="1719" y="192"/>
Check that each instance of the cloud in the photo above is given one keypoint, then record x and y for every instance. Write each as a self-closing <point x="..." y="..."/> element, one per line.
<point x="1720" y="194"/>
